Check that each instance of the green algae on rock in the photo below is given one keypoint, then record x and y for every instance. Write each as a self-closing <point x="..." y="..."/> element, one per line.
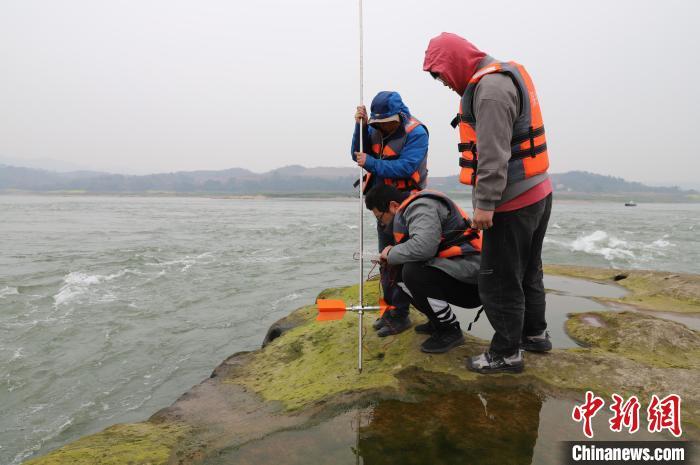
<point x="649" y="290"/>
<point x="137" y="443"/>
<point x="640" y="337"/>
<point x="630" y="352"/>
<point x="307" y="370"/>
<point x="313" y="361"/>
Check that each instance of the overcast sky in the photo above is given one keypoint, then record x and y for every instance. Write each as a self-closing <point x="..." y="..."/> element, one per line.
<point x="165" y="85"/>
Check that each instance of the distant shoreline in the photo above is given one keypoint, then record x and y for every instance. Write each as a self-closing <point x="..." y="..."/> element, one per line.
<point x="640" y="198"/>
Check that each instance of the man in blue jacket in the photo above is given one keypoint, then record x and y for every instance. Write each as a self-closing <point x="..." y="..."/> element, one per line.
<point x="394" y="152"/>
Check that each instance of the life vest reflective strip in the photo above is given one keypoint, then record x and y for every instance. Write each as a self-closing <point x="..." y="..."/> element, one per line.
<point x="392" y="149"/>
<point x="458" y="238"/>
<point x="529" y="155"/>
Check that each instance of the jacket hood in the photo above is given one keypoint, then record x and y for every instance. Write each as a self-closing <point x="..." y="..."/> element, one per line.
<point x="454" y="58"/>
<point x="387" y="103"/>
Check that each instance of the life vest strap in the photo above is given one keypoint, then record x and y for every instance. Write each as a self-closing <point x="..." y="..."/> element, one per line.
<point x="466" y="147"/>
<point x="367" y="177"/>
<point x="530" y="135"/>
<point x="476" y="318"/>
<point x="533" y="151"/>
<point x="464" y="163"/>
<point x="462" y="118"/>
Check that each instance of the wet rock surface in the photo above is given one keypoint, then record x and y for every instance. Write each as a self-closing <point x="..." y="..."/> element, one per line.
<point x="277" y="404"/>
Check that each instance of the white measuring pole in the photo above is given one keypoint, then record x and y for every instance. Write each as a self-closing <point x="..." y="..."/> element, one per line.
<point x="362" y="221"/>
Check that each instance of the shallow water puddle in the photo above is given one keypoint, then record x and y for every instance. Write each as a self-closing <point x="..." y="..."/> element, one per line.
<point x="582" y="288"/>
<point x="496" y="425"/>
<point x="564" y="286"/>
<point x="564" y="296"/>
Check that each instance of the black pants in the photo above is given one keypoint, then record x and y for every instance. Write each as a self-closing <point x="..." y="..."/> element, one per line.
<point x="432" y="291"/>
<point x="389" y="278"/>
<point x="510" y="278"/>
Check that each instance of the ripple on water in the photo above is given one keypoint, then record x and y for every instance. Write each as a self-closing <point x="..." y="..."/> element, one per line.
<point x="8" y="291"/>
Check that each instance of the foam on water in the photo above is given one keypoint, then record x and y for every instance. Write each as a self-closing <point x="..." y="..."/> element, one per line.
<point x="287" y="298"/>
<point x="78" y="284"/>
<point x="600" y="243"/>
<point x="7" y="290"/>
<point x="661" y="243"/>
<point x="75" y="285"/>
<point x="17" y="354"/>
<point x="613" y="248"/>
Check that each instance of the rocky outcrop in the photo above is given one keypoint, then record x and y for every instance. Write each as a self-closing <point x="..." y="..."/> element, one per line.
<point x="306" y="372"/>
<point x="649" y="290"/>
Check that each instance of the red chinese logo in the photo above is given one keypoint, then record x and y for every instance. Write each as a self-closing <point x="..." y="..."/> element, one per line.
<point x="662" y="414"/>
<point x="587" y="411"/>
<point x="626" y="414"/>
<point x="665" y="414"/>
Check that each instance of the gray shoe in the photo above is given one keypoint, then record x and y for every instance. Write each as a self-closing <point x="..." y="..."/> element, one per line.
<point x="378" y="323"/>
<point x="394" y="325"/>
<point x="537" y="343"/>
<point x="490" y="363"/>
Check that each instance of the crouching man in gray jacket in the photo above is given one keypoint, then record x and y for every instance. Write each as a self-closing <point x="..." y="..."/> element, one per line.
<point x="437" y="254"/>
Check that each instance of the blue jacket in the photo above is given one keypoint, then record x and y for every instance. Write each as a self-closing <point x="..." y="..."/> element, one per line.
<point x="414" y="151"/>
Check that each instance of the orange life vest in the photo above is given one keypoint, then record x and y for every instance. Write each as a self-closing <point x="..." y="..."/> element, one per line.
<point x="457" y="238"/>
<point x="528" y="144"/>
<point x="392" y="149"/>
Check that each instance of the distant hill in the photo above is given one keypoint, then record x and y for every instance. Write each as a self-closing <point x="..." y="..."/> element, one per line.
<point x="585" y="184"/>
<point x="297" y="179"/>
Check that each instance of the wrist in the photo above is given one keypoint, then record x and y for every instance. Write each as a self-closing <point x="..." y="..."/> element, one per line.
<point x="486" y="205"/>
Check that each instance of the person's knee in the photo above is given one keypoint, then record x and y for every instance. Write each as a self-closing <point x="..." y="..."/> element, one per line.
<point x="411" y="274"/>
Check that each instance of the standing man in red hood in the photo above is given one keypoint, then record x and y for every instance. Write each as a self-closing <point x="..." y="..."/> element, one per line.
<point x="503" y="156"/>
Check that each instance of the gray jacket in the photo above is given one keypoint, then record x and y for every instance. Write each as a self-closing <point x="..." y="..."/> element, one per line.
<point x="496" y="106"/>
<point x="424" y="219"/>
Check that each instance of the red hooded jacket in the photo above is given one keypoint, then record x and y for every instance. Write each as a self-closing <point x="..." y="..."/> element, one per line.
<point x="454" y="58"/>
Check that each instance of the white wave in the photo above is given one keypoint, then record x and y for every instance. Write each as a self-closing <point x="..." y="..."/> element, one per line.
<point x="18" y="353"/>
<point x="556" y="226"/>
<point x="179" y="261"/>
<point x="76" y="284"/>
<point x="257" y="258"/>
<point x="615" y="242"/>
<point x="662" y="243"/>
<point x="600" y="243"/>
<point x="613" y="248"/>
<point x="51" y="431"/>
<point x="286" y="298"/>
<point x="185" y="262"/>
<point x="36" y="408"/>
<point x="7" y="290"/>
<point x="186" y="267"/>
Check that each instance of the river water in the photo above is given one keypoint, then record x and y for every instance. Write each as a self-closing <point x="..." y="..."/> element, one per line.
<point x="111" y="307"/>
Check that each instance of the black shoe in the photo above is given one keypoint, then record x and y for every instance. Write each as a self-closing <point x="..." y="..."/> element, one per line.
<point x="425" y="328"/>
<point x="490" y="363"/>
<point x="378" y="323"/>
<point x="538" y="343"/>
<point x="443" y="340"/>
<point x="394" y="325"/>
